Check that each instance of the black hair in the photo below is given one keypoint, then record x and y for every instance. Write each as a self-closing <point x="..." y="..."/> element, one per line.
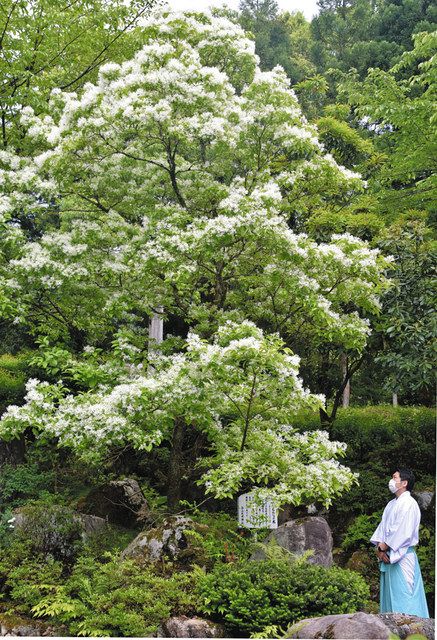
<point x="408" y="475"/>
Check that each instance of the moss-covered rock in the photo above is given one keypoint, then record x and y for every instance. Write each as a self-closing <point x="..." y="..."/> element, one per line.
<point x="170" y="541"/>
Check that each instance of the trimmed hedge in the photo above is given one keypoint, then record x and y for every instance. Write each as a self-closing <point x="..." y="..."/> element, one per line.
<point x="383" y="437"/>
<point x="252" y="596"/>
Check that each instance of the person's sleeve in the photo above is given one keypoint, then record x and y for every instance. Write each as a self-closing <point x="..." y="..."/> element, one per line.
<point x="400" y="533"/>
<point x="377" y="535"/>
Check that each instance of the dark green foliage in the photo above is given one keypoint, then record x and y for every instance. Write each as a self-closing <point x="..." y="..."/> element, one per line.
<point x="383" y="437"/>
<point x="409" y="320"/>
<point x="13" y="376"/>
<point x="426" y="554"/>
<point x="20" y="482"/>
<point x="255" y="595"/>
<point x="363" y="34"/>
<point x="46" y="470"/>
<point x="379" y="438"/>
<point x="359" y="532"/>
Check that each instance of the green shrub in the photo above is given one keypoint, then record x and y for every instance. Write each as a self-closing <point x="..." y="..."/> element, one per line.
<point x="221" y="539"/>
<point x="6" y="528"/>
<point x="426" y="555"/>
<point x="252" y="596"/>
<point x="13" y="376"/>
<point x="118" y="598"/>
<point x="359" y="532"/>
<point x="19" y="483"/>
<point x="28" y="582"/>
<point x="388" y="436"/>
<point x="51" y="530"/>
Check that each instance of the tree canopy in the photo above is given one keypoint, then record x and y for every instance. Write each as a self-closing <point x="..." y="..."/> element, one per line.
<point x="171" y="181"/>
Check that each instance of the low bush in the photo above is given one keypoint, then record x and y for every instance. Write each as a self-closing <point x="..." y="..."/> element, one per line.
<point x="50" y="529"/>
<point x="358" y="533"/>
<point x="13" y="376"/>
<point x="252" y="596"/>
<point x="117" y="598"/>
<point x="426" y="554"/>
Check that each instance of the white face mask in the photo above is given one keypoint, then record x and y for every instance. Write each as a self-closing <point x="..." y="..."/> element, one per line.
<point x="392" y="486"/>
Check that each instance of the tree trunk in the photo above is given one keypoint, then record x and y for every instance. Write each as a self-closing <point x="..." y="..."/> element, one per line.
<point x="175" y="470"/>
<point x="12" y="452"/>
<point x="347" y="389"/>
<point x="395" y="399"/>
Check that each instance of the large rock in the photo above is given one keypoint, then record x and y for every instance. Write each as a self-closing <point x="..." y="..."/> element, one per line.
<point x="299" y="536"/>
<point x="169" y="540"/>
<point x="365" y="626"/>
<point x="183" y="627"/>
<point x="19" y="626"/>
<point x="89" y="524"/>
<point x="404" y="625"/>
<point x="348" y="626"/>
<point x="120" y="502"/>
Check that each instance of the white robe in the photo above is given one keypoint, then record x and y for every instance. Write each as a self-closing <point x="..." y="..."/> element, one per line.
<point x="399" y="529"/>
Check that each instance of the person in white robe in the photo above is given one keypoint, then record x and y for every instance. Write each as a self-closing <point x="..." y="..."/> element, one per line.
<point x="395" y="537"/>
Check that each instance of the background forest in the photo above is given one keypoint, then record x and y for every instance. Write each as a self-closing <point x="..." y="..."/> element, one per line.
<point x="217" y="268"/>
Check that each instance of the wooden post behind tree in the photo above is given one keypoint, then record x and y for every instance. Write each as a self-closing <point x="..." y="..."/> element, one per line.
<point x="175" y="465"/>
<point x="156" y="327"/>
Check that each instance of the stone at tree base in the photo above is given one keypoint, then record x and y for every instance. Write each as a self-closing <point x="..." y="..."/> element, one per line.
<point x="404" y="625"/>
<point x="292" y="512"/>
<point x="298" y="536"/>
<point x="347" y="626"/>
<point x="168" y="541"/>
<point x="184" y="627"/>
<point x="20" y="630"/>
<point x="121" y="502"/>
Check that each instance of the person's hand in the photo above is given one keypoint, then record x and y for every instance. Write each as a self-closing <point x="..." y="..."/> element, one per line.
<point x="382" y="556"/>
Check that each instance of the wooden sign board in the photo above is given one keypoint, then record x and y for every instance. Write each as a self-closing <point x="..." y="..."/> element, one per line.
<point x="256" y="516"/>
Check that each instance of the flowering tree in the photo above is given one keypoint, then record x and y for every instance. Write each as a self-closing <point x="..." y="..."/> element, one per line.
<point x="174" y="178"/>
<point x="240" y="391"/>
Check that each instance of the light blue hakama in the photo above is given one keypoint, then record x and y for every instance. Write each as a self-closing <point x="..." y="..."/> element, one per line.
<point x="397" y="596"/>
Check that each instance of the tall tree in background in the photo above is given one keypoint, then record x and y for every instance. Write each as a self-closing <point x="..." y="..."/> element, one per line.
<point x="398" y="109"/>
<point x="408" y="323"/>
